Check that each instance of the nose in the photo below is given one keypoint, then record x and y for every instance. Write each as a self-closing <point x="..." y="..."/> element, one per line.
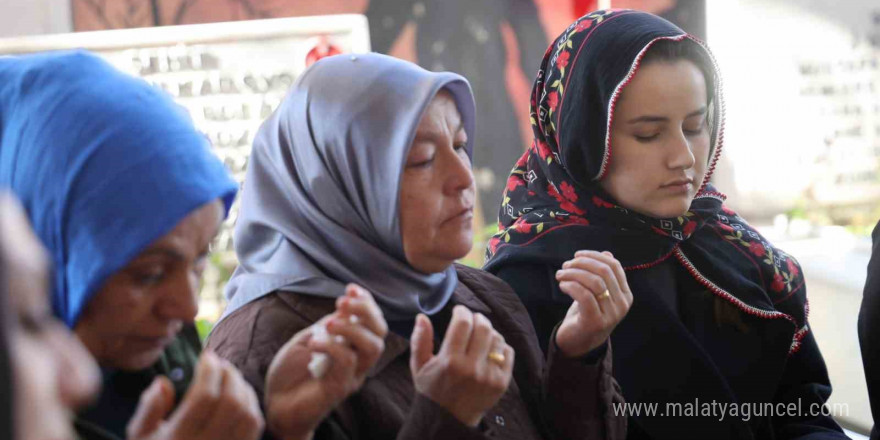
<point x="459" y="175"/>
<point x="180" y="300"/>
<point x="681" y="156"/>
<point x="78" y="377"/>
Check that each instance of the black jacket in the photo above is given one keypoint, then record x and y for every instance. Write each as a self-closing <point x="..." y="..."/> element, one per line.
<point x="869" y="329"/>
<point x="682" y="345"/>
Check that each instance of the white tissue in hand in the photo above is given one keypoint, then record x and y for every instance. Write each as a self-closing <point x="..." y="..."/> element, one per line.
<point x="320" y="362"/>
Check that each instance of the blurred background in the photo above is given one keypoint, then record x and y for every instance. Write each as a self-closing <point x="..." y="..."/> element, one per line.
<point x="801" y="80"/>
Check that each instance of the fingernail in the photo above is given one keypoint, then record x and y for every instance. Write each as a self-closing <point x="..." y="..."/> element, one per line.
<point x="558" y="274"/>
<point x="353" y="319"/>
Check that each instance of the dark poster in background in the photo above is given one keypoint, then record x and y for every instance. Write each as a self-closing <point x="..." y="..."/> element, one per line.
<point x="496" y="44"/>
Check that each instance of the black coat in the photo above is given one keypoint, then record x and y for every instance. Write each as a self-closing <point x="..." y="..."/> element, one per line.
<point x="869" y="329"/>
<point x="681" y="344"/>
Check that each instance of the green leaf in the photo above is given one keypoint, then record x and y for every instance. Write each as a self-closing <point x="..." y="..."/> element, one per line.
<point x="555" y="84"/>
<point x="540" y="227"/>
<point x="569" y="44"/>
<point x="507" y="238"/>
<point x="560" y="86"/>
<point x="549" y="159"/>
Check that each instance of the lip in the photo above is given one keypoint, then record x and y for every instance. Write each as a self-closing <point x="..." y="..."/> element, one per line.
<point x="679" y="182"/>
<point x="465" y="214"/>
<point x="152" y="342"/>
<point x="679" y="185"/>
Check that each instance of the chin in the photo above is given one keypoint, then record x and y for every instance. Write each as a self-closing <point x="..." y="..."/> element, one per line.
<point x="670" y="210"/>
<point x="140" y="361"/>
<point x="461" y="246"/>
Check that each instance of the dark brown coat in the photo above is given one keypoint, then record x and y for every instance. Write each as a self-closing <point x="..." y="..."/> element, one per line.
<point x="556" y="398"/>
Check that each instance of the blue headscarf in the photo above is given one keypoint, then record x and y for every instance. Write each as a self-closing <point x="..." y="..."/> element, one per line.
<point x="104" y="164"/>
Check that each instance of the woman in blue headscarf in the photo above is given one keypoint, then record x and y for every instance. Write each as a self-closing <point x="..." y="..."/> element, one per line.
<point x="126" y="196"/>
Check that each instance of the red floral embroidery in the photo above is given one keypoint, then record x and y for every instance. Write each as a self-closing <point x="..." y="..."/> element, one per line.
<point x="523" y="227"/>
<point x="553" y="100"/>
<point x="563" y="203"/>
<point x="493" y="244"/>
<point x="513" y="182"/>
<point x="757" y="249"/>
<point x="601" y="203"/>
<point x="726" y="227"/>
<point x="543" y="150"/>
<point x="778" y="283"/>
<point x="727" y="210"/>
<point x="690" y="227"/>
<point x="583" y="25"/>
<point x="792" y="268"/>
<point x="568" y="192"/>
<point x="576" y="220"/>
<point x="562" y="60"/>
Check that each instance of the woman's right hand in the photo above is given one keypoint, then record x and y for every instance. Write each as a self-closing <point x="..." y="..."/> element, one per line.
<point x="218" y="404"/>
<point x="462" y="378"/>
<point x="296" y="402"/>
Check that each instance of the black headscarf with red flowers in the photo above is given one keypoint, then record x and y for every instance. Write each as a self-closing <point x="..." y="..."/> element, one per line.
<point x="553" y="205"/>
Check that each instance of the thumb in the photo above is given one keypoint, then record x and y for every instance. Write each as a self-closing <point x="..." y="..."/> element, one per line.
<point x="155" y="403"/>
<point x="421" y="344"/>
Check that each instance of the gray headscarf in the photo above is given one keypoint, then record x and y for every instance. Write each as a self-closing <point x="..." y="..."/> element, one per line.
<point x="320" y="202"/>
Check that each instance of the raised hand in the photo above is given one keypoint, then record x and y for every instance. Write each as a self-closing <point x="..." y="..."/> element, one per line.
<point x="597" y="284"/>
<point x="296" y="401"/>
<point x="470" y="372"/>
<point x="219" y="404"/>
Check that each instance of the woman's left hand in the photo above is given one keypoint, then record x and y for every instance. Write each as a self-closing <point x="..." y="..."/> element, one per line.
<point x="597" y="284"/>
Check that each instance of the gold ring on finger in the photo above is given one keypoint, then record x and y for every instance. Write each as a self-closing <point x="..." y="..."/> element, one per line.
<point x="604" y="295"/>
<point x="497" y="357"/>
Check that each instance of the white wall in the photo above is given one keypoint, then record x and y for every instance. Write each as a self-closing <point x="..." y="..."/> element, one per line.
<point x="33" y="17"/>
<point x="776" y="136"/>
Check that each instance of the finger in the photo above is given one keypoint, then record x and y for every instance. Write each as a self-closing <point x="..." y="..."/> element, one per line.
<point x="154" y="404"/>
<point x="509" y="357"/>
<point x="367" y="344"/>
<point x="588" y="305"/>
<point x="364" y="306"/>
<point x="421" y="344"/>
<point x="588" y="283"/>
<point x="481" y="339"/>
<point x="604" y="271"/>
<point x="497" y="346"/>
<point x="613" y="263"/>
<point x="201" y="399"/>
<point x="234" y="414"/>
<point x="360" y="311"/>
<point x="343" y="360"/>
<point x="625" y="299"/>
<point x="502" y="374"/>
<point x="459" y="331"/>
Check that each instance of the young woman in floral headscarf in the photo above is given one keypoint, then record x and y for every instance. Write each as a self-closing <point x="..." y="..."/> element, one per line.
<point x="628" y="118"/>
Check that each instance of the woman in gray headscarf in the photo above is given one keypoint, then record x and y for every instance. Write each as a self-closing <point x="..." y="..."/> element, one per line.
<point x="363" y="176"/>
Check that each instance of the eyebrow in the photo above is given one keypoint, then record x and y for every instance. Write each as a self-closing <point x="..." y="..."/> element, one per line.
<point x="434" y="135"/>
<point x="651" y="118"/>
<point x="162" y="251"/>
